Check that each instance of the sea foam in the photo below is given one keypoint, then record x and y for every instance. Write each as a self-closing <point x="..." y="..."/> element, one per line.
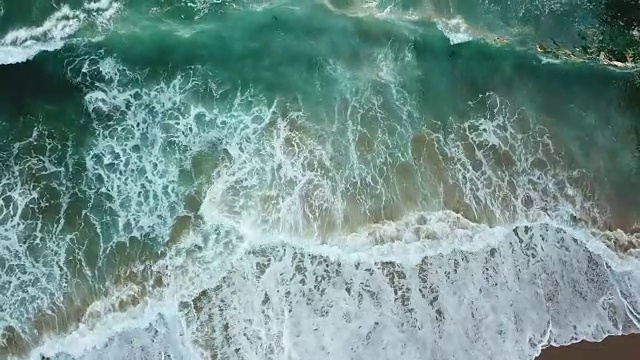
<point x="22" y="44"/>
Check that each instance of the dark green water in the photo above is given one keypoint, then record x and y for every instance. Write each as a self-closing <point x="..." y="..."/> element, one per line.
<point x="249" y="179"/>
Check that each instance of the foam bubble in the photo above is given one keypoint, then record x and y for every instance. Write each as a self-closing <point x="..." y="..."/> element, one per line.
<point x="34" y="195"/>
<point x="20" y="45"/>
<point x="406" y="296"/>
<point x="507" y="168"/>
<point x="318" y="227"/>
<point x="23" y="44"/>
<point x="154" y="330"/>
<point x="522" y="288"/>
<point x="66" y="234"/>
<point x="456" y="30"/>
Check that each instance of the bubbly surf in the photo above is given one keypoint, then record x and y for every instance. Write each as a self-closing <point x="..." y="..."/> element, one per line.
<point x="310" y="180"/>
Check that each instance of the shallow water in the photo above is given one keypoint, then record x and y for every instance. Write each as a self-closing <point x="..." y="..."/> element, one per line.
<point x="343" y="179"/>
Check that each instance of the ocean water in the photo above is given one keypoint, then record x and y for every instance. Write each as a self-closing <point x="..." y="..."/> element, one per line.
<point x="329" y="179"/>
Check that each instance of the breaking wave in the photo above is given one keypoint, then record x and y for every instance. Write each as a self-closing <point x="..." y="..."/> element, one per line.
<point x="196" y="218"/>
<point x="22" y="44"/>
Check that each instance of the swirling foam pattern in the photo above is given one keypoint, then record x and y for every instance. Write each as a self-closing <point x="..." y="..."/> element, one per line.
<point x="310" y="180"/>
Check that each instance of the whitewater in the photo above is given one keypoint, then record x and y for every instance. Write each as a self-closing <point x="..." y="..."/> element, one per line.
<point x="314" y="179"/>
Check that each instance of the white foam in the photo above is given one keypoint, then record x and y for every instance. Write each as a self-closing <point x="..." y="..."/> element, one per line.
<point x="456" y="30"/>
<point x="261" y="277"/>
<point x="548" y="60"/>
<point x="23" y="44"/>
<point x="512" y="293"/>
<point x="20" y="45"/>
<point x="154" y="330"/>
<point x="497" y="293"/>
<point x="381" y="10"/>
<point x="32" y="248"/>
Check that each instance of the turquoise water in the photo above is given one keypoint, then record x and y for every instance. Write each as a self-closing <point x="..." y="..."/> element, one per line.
<point x="310" y="180"/>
